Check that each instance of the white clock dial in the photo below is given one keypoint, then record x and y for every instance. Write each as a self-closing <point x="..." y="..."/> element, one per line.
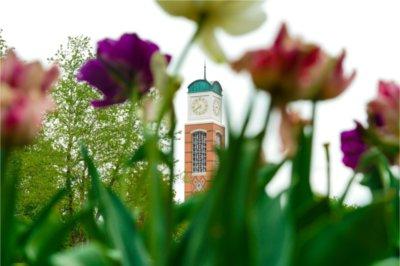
<point x="217" y="107"/>
<point x="199" y="106"/>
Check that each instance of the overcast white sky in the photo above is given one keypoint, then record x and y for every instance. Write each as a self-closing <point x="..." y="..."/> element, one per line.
<point x="367" y="29"/>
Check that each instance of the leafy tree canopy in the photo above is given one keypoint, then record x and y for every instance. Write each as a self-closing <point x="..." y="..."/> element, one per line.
<point x="54" y="160"/>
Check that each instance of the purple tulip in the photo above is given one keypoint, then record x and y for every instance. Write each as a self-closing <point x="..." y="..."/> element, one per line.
<point x="120" y="67"/>
<point x="352" y="146"/>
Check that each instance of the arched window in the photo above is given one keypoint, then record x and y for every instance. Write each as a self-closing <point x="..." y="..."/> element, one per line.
<point x="218" y="139"/>
<point x="199" y="152"/>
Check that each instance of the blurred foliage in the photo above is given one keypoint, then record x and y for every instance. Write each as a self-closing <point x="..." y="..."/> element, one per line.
<point x="234" y="222"/>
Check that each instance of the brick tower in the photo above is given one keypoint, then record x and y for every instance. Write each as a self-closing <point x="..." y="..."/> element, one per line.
<point x="203" y="131"/>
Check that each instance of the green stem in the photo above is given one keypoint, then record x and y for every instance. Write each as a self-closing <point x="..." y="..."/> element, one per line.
<point x="267" y="118"/>
<point x="171" y="166"/>
<point x="313" y="119"/>
<point x="8" y="196"/>
<point x="3" y="160"/>
<point x="260" y="138"/>
<point x="181" y="58"/>
<point x="186" y="49"/>
<point x="158" y="220"/>
<point x="163" y="218"/>
<point x="328" y="169"/>
<point x="171" y="132"/>
<point x="159" y="216"/>
<point x="343" y="197"/>
<point x="171" y="135"/>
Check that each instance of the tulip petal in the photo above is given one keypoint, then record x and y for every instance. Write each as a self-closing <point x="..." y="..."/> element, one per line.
<point x="241" y="17"/>
<point x="50" y="78"/>
<point x="96" y="75"/>
<point x="24" y="99"/>
<point x="11" y="69"/>
<point x="352" y="146"/>
<point x="210" y="45"/>
<point x="31" y="76"/>
<point x="182" y="8"/>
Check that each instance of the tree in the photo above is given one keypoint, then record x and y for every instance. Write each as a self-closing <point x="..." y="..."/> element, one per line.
<point x="3" y="44"/>
<point x="54" y="161"/>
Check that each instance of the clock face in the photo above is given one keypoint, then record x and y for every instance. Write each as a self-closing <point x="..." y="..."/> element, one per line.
<point x="199" y="106"/>
<point x="217" y="106"/>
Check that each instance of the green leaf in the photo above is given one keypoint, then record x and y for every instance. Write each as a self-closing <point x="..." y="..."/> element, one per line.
<point x="158" y="229"/>
<point x="312" y="213"/>
<point x="379" y="178"/>
<point x="388" y="262"/>
<point x="48" y="237"/>
<point x="359" y="238"/>
<point x="300" y="184"/>
<point x="372" y="165"/>
<point x="93" y="229"/>
<point x="376" y="171"/>
<point x="224" y="215"/>
<point x="9" y="179"/>
<point x="272" y="232"/>
<point x="266" y="173"/>
<point x="91" y="254"/>
<point x="42" y="217"/>
<point x="138" y="155"/>
<point x="121" y="227"/>
<point x="119" y="223"/>
<point x="186" y="209"/>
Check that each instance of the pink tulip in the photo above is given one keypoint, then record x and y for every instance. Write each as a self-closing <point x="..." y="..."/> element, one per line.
<point x="24" y="99"/>
<point x="293" y="70"/>
<point x="384" y="112"/>
<point x="334" y="81"/>
<point x="290" y="128"/>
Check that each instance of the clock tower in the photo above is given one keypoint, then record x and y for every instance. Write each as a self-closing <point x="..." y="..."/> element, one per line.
<point x="203" y="132"/>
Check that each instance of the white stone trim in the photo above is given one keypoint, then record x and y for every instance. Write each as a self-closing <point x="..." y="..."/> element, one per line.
<point x="208" y="121"/>
<point x="199" y="173"/>
<point x="198" y="129"/>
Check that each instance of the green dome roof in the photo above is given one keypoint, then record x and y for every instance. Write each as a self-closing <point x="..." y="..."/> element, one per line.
<point x="202" y="85"/>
